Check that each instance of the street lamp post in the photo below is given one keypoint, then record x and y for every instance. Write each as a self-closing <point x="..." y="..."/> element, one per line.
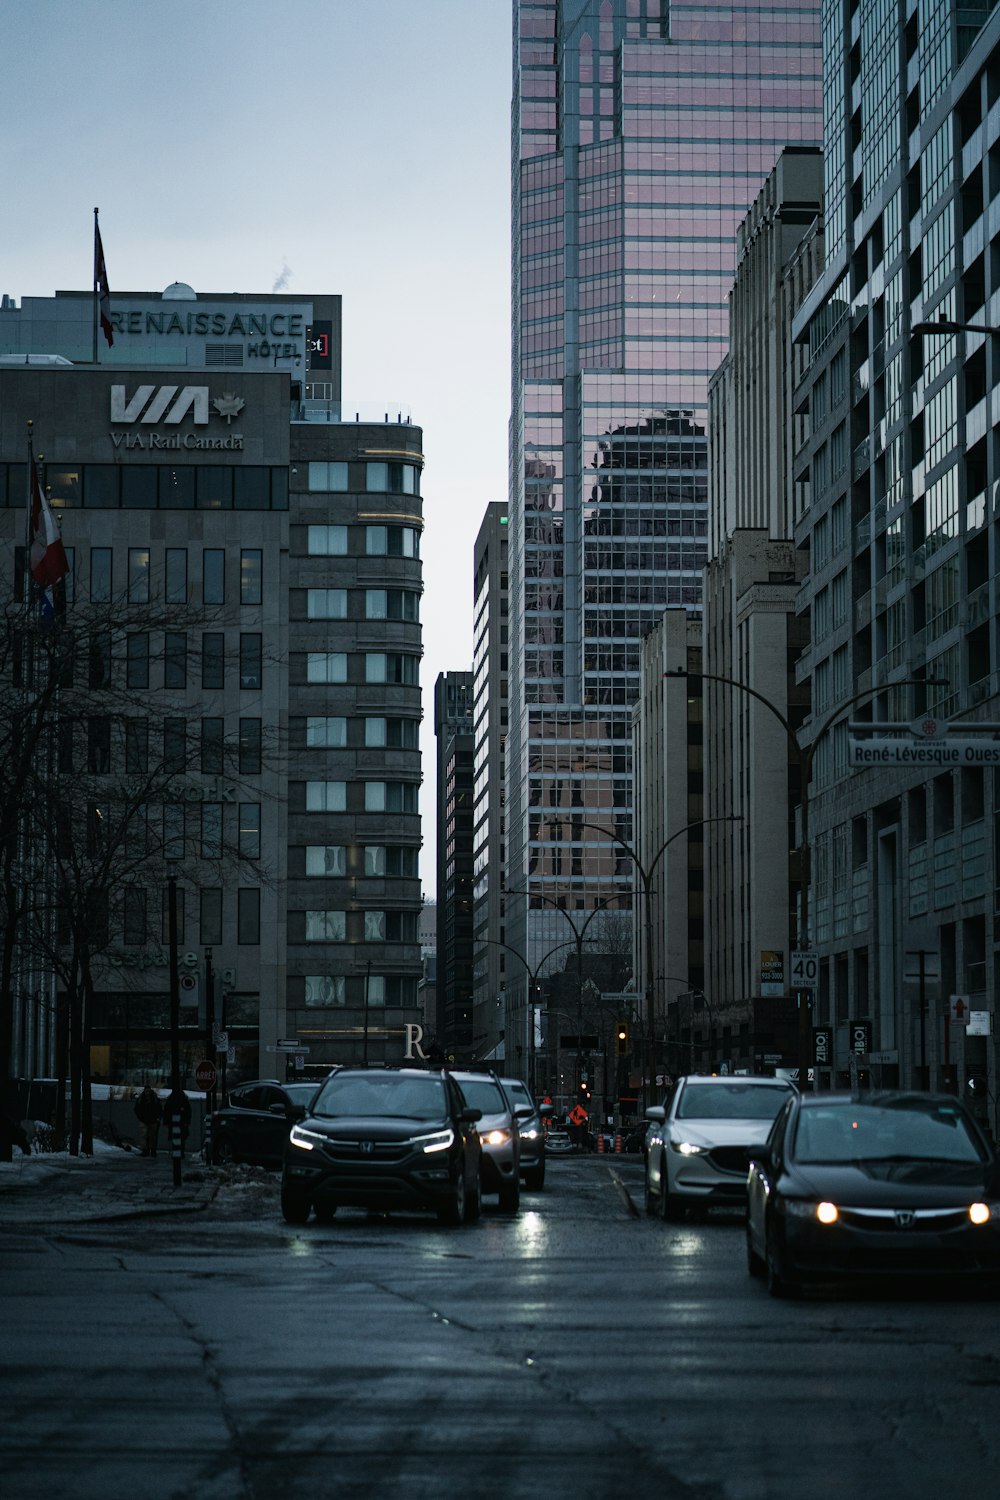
<point x="175" y="1018"/>
<point x="804" y="756"/>
<point x="646" y="877"/>
<point x="533" y="976"/>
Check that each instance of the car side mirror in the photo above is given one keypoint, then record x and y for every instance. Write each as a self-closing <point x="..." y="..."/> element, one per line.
<point x="277" y="1109"/>
<point x="657" y="1113"/>
<point x="545" y="1109"/>
<point x="524" y="1112"/>
<point x="470" y="1115"/>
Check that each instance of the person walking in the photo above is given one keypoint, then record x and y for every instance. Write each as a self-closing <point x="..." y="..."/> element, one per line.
<point x="149" y="1113"/>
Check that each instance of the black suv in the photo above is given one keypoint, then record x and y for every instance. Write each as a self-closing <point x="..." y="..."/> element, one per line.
<point x="384" y="1138"/>
<point x="254" y="1122"/>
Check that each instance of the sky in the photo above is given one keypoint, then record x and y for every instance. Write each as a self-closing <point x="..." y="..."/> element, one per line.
<point x="351" y="146"/>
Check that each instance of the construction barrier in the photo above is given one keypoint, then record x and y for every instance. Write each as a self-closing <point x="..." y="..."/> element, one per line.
<point x="618" y="1145"/>
<point x="600" y="1141"/>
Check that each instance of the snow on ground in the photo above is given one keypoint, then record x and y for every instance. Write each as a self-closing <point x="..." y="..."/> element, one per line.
<point x="24" y="1170"/>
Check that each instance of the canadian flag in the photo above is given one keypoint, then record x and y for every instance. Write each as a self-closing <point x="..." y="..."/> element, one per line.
<point x="48" y="555"/>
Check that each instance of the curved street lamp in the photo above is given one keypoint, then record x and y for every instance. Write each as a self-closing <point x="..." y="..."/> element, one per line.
<point x="533" y="978"/>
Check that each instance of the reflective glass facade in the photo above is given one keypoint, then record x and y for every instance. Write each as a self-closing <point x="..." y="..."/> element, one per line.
<point x="641" y="133"/>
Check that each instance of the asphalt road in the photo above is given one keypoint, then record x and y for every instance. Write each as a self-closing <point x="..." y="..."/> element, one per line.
<point x="579" y="1350"/>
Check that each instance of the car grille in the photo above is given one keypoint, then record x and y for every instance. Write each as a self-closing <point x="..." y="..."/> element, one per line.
<point x="380" y="1151"/>
<point x="730" y="1159"/>
<point x="916" y="1221"/>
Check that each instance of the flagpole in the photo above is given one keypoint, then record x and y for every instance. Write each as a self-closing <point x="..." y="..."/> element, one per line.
<point x="28" y="534"/>
<point x="96" y="292"/>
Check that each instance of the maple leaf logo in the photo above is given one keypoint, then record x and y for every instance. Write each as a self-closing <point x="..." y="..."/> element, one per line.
<point x="229" y="405"/>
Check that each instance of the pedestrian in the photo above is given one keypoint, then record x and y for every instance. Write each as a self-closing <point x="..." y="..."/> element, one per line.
<point x="149" y="1113"/>
<point x="177" y="1107"/>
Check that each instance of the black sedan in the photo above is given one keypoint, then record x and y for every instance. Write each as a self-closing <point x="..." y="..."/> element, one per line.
<point x="254" y="1122"/>
<point x="384" y="1138"/>
<point x="861" y="1184"/>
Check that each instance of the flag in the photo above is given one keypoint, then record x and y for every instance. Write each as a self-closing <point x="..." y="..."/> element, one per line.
<point x="101" y="285"/>
<point x="48" y="556"/>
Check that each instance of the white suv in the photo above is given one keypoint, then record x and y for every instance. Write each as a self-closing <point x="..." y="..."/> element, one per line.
<point x="700" y="1139"/>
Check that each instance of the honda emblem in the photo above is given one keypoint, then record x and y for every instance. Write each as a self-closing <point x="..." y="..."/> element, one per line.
<point x="904" y="1218"/>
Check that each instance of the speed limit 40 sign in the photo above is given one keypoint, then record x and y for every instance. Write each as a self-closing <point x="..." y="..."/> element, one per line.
<point x="804" y="970"/>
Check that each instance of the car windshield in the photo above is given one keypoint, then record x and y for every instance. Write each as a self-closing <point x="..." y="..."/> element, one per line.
<point x="392" y="1096"/>
<point x="903" y="1130"/>
<point x="484" y="1094"/>
<point x="731" y="1101"/>
<point x="300" y="1093"/>
<point x="518" y="1095"/>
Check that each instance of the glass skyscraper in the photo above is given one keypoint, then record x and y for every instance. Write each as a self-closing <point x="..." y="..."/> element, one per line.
<point x="641" y="132"/>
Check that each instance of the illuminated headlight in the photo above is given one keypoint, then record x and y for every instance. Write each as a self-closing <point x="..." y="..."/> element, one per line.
<point x="688" y="1148"/>
<point x="529" y="1135"/>
<point x="440" y="1141"/>
<point x="496" y="1138"/>
<point x="307" y="1139"/>
<point x="981" y="1213"/>
<point x="827" y="1213"/>
<point x="797" y="1208"/>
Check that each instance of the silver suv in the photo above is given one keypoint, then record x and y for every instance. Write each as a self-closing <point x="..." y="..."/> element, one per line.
<point x="499" y="1135"/>
<point x="531" y="1128"/>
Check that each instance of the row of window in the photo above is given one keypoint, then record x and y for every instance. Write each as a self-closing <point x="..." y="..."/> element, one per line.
<point x="379" y="796"/>
<point x="140" y="583"/>
<point x="138" y="920"/>
<point x="379" y="604"/>
<point x="128" y="742"/>
<point x="380" y="860"/>
<point x="364" y="927"/>
<point x="153" y="487"/>
<point x="371" y="990"/>
<point x="380" y="541"/>
<point x="141" y="652"/>
<point x="397" y="668"/>
<point x="394" y="478"/>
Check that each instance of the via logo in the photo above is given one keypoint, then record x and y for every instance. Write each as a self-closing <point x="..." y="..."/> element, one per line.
<point x="164" y="403"/>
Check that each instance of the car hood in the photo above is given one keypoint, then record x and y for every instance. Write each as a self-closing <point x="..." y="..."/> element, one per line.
<point x="711" y="1133"/>
<point x="872" y="1184"/>
<point x="371" y="1128"/>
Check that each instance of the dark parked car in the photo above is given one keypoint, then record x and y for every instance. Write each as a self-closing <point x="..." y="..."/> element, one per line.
<point x="894" y="1184"/>
<point x="531" y="1126"/>
<point x="254" y="1122"/>
<point x="384" y="1138"/>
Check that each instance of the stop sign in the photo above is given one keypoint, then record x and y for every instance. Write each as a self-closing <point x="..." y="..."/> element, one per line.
<point x="205" y="1075"/>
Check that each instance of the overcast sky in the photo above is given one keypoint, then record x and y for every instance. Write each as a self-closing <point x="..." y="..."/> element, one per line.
<point x="353" y="146"/>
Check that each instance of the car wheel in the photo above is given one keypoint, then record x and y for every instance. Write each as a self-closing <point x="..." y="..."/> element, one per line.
<point x="534" y="1179"/>
<point x="755" y="1265"/>
<point x="325" y="1212"/>
<point x="510" y="1195"/>
<point x="474" y="1202"/>
<point x="779" y="1283"/>
<point x="222" y="1151"/>
<point x="294" y="1206"/>
<point x="670" y="1210"/>
<point x="454" y="1212"/>
<point x="652" y="1199"/>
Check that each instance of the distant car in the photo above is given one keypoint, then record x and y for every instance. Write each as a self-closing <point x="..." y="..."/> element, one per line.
<point x="698" y="1152"/>
<point x="892" y="1184"/>
<point x="498" y="1132"/>
<point x="253" y="1124"/>
<point x="531" y="1128"/>
<point x="559" y="1143"/>
<point x="384" y="1138"/>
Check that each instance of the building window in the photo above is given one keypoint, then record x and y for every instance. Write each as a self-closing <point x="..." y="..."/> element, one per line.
<point x="327" y="541"/>
<point x="396" y="667"/>
<point x="137" y="661"/>
<point x="248" y="915"/>
<point x="136" y="930"/>
<point x="327" y="477"/>
<point x="211" y="916"/>
<point x="326" y="926"/>
<point x="175" y="744"/>
<point x="328" y="732"/>
<point x="392" y="541"/>
<point x="250" y="830"/>
<point x="138" y="575"/>
<point x="325" y="989"/>
<point x="213" y="659"/>
<point x="100" y="575"/>
<point x="251" y="662"/>
<point x="326" y="604"/>
<point x="99" y="746"/>
<point x="251" y="575"/>
<point x="250" y="746"/>
<point x="211" y="830"/>
<point x="390" y="926"/>
<point x="394" y="734"/>
<point x="391" y="860"/>
<point x="392" y="604"/>
<point x="176" y="575"/>
<point x="326" y="666"/>
<point x="213" y="575"/>
<point x="99" y="663"/>
<point x="173" y="830"/>
<point x="390" y="796"/>
<point x="212" y="746"/>
<point x="393" y="478"/>
<point x="136" y="746"/>
<point x="175" y="659"/>
<point x="326" y="796"/>
<point x="326" y="859"/>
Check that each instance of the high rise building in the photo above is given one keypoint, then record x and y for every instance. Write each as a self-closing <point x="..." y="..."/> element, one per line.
<point x="453" y="697"/>
<point x="897" y="503"/>
<point x="205" y="467"/>
<point x="641" y="133"/>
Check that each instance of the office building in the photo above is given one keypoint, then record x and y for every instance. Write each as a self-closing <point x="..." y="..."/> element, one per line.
<point x="453" y="700"/>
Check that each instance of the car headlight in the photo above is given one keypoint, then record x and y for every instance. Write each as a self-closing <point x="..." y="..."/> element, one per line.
<point x="982" y="1213"/>
<point x="529" y="1135"/>
<point x="496" y="1138"/>
<point x="688" y="1148"/>
<point x="307" y="1139"/>
<point x="799" y="1208"/>
<point x="439" y="1141"/>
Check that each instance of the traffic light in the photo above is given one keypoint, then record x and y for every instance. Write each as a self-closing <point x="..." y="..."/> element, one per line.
<point x="621" y="1032"/>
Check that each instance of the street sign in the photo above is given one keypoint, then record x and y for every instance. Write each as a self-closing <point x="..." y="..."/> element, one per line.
<point x="959" y="1007"/>
<point x="221" y="1041"/>
<point x="804" y="969"/>
<point x="288" y="1047"/>
<point x="188" y="984"/>
<point x="205" y="1075"/>
<point x="979" y="1023"/>
<point x="772" y="971"/>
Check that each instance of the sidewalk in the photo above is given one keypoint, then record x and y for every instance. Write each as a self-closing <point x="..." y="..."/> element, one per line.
<point x="59" y="1189"/>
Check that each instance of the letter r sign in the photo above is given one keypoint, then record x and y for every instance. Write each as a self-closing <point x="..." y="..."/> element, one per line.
<point x="414" y="1036"/>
